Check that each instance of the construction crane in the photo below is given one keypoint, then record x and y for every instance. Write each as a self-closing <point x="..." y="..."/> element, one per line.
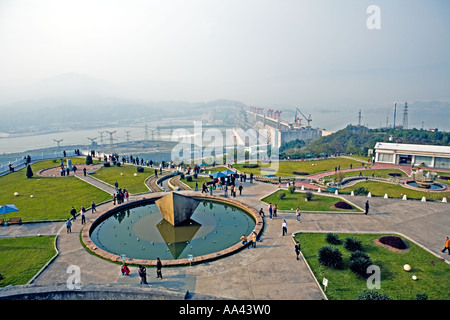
<point x="308" y="119"/>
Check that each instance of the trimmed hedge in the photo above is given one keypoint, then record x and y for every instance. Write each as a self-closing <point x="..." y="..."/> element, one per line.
<point x="250" y="166"/>
<point x="300" y="173"/>
<point x="393" y="241"/>
<point x="343" y="205"/>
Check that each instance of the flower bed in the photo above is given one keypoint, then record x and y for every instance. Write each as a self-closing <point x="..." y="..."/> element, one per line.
<point x="393" y="241"/>
<point x="343" y="205"/>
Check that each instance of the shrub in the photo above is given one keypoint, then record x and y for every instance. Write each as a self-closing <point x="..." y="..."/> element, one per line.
<point x="393" y="241"/>
<point x="353" y="244"/>
<point x="88" y="160"/>
<point x="394" y="174"/>
<point x="421" y="296"/>
<point x="372" y="295"/>
<point x="332" y="238"/>
<point x="106" y="164"/>
<point x="301" y="173"/>
<point x="359" y="266"/>
<point x="140" y="169"/>
<point x="444" y="177"/>
<point x="309" y="195"/>
<point x="291" y="189"/>
<point x="361" y="191"/>
<point x="343" y="205"/>
<point x="250" y="165"/>
<point x="330" y="256"/>
<point x="281" y="195"/>
<point x="358" y="254"/>
<point x="189" y="178"/>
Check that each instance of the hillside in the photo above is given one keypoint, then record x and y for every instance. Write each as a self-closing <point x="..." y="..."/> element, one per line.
<point x="357" y="140"/>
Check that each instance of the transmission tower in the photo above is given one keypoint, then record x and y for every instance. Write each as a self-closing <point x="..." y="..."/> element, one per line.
<point x="359" y="118"/>
<point x="58" y="142"/>
<point x="405" y="116"/>
<point x="101" y="136"/>
<point x="111" y="139"/>
<point x="128" y="135"/>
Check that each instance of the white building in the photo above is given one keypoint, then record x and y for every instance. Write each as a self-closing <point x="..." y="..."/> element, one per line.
<point x="413" y="154"/>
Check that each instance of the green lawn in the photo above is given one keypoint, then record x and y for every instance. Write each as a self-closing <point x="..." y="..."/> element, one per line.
<point x="22" y="257"/>
<point x="397" y="283"/>
<point x="297" y="199"/>
<point x="379" y="189"/>
<point x="57" y="162"/>
<point x="286" y="168"/>
<point x="52" y="197"/>
<point x="124" y="175"/>
<point x="378" y="173"/>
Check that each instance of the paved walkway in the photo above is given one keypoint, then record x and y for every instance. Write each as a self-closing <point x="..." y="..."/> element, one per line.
<point x="269" y="271"/>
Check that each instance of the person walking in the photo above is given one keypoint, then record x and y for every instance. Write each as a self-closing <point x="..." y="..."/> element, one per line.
<point x="253" y="239"/>
<point x="284" y="227"/>
<point x="73" y="212"/>
<point x="142" y="271"/>
<point x="447" y="246"/>
<point x="69" y="226"/>
<point x="240" y="189"/>
<point x="298" y="214"/>
<point x="274" y="210"/>
<point x="83" y="215"/>
<point x="367" y="208"/>
<point x="297" y="249"/>
<point x="93" y="207"/>
<point x="270" y="210"/>
<point x="158" y="269"/>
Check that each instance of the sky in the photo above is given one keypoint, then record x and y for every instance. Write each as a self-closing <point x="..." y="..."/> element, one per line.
<point x="315" y="54"/>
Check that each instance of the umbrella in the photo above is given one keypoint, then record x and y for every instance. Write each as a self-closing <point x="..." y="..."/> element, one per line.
<point x="309" y="155"/>
<point x="6" y="208"/>
<point x="216" y="175"/>
<point x="202" y="165"/>
<point x="227" y="172"/>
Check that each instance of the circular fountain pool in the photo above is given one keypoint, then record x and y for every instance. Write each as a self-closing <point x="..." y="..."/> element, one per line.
<point x="139" y="232"/>
<point x="431" y="186"/>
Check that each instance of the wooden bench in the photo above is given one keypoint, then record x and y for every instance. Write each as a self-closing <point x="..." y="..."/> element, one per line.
<point x="14" y="220"/>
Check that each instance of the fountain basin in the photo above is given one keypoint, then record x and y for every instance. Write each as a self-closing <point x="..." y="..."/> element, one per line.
<point x="136" y="233"/>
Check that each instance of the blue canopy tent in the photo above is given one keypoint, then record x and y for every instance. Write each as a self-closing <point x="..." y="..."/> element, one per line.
<point x="7" y="208"/>
<point x="227" y="172"/>
<point x="217" y="175"/>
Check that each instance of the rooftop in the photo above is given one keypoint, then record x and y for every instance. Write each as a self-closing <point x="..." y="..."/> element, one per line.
<point x="412" y="147"/>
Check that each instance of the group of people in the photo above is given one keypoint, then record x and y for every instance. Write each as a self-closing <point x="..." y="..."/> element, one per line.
<point x="73" y="213"/>
<point x="250" y="240"/>
<point x="121" y="194"/>
<point x="142" y="271"/>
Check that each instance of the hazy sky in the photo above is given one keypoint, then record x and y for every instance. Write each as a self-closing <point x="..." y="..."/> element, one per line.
<point x="316" y="53"/>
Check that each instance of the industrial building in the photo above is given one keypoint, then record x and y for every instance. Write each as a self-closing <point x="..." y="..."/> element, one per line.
<point x="430" y="156"/>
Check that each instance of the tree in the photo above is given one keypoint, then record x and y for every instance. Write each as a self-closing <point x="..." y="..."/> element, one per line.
<point x="29" y="172"/>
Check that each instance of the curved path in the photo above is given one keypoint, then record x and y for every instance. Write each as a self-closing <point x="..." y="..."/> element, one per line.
<point x="269" y="271"/>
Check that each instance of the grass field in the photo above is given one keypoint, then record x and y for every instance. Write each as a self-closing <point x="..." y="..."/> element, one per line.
<point x="22" y="257"/>
<point x="379" y="189"/>
<point x="286" y="168"/>
<point x="57" y="162"/>
<point x="297" y="199"/>
<point x="52" y="197"/>
<point x="397" y="283"/>
<point x="124" y="175"/>
<point x="378" y="173"/>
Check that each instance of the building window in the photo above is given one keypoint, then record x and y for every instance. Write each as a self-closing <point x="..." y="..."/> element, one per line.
<point x="427" y="161"/>
<point x="385" y="157"/>
<point x="442" y="163"/>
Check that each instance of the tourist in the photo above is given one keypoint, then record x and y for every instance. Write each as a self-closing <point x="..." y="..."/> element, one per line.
<point x="114" y="199"/>
<point x="127" y="195"/>
<point x="298" y="214"/>
<point x="93" y="207"/>
<point x="367" y="207"/>
<point x="84" y="172"/>
<point x="254" y="239"/>
<point x="270" y="210"/>
<point x="447" y="246"/>
<point x="83" y="215"/>
<point x="196" y="186"/>
<point x="125" y="270"/>
<point x="251" y="177"/>
<point x="69" y="226"/>
<point x="240" y="189"/>
<point x="274" y="210"/>
<point x="142" y="271"/>
<point x="158" y="268"/>
<point x="261" y="212"/>
<point x="73" y="212"/>
<point x="244" y="241"/>
<point x="297" y="249"/>
<point x="284" y="227"/>
<point x="210" y="189"/>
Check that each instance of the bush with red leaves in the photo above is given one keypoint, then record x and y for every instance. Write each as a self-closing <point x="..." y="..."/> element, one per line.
<point x="393" y="241"/>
